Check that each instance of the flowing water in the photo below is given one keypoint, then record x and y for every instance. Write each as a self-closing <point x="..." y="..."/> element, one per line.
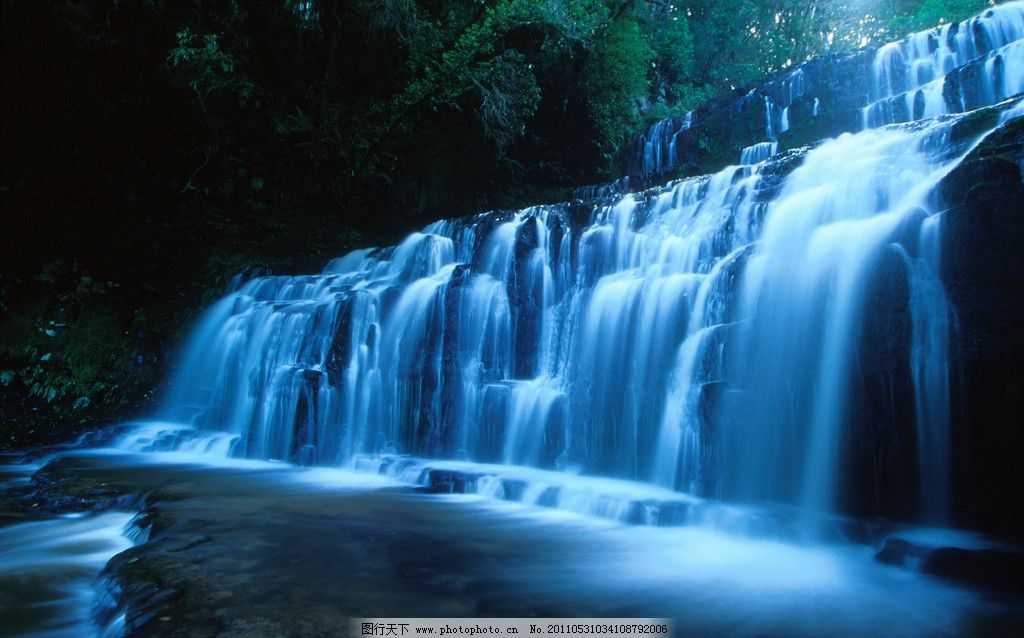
<point x="50" y="583"/>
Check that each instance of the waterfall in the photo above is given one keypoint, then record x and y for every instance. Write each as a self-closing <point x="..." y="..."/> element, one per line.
<point x="704" y="335"/>
<point x="722" y="335"/>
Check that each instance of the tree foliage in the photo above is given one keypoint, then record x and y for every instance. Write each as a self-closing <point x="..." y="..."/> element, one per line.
<point x="358" y="109"/>
<point x="617" y="79"/>
<point x="754" y="37"/>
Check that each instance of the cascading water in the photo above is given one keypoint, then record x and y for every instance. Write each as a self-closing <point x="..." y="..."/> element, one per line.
<point x="757" y="153"/>
<point x="719" y="335"/>
<point x="804" y="297"/>
<point x="930" y="366"/>
<point x="657" y="145"/>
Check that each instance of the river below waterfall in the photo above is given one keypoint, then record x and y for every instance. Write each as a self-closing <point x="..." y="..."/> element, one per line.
<point x="246" y="548"/>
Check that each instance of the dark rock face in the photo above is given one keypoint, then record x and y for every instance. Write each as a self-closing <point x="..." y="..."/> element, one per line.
<point x="983" y="272"/>
<point x="988" y="568"/>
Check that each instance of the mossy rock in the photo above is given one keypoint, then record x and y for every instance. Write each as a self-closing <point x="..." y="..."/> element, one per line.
<point x="972" y="125"/>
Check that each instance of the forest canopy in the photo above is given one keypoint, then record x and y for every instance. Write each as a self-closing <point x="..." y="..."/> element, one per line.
<point x="378" y="112"/>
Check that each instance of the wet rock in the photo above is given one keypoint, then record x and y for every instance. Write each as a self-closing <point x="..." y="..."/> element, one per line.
<point x="451" y="482"/>
<point x="989" y="565"/>
<point x="64" y="485"/>
<point x="983" y="273"/>
<point x="902" y="553"/>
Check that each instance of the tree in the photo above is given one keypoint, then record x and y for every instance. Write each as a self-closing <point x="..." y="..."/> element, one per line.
<point x="617" y="79"/>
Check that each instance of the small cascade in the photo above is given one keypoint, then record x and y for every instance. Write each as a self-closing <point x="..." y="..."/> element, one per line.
<point x="50" y="568"/>
<point x="657" y="145"/>
<point x="792" y="87"/>
<point x="624" y="502"/>
<point x="758" y="153"/>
